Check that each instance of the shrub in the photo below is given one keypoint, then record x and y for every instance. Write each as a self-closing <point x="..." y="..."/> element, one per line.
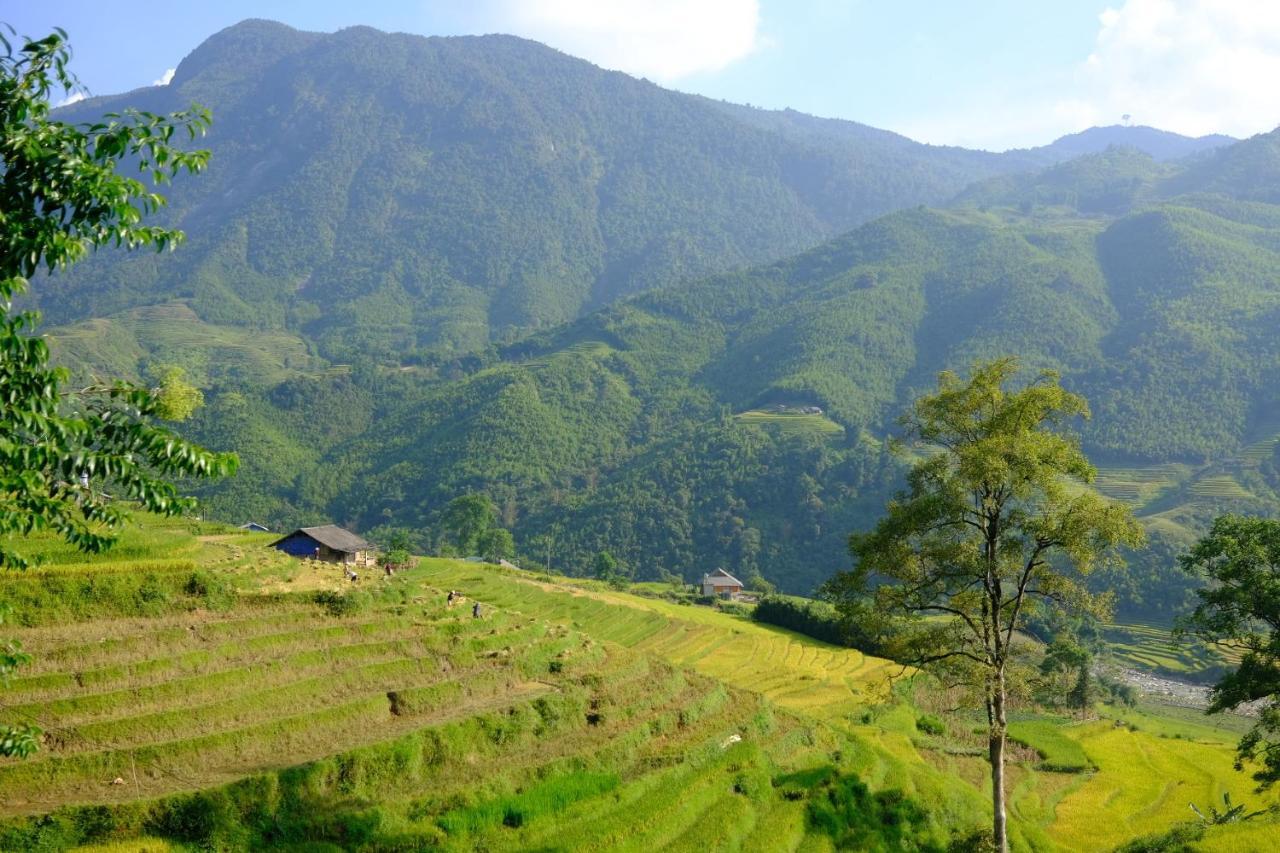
<point x="212" y="591"/>
<point x="342" y="603"/>
<point x="1181" y="839"/>
<point x="815" y="619"/>
<point x="930" y="725"/>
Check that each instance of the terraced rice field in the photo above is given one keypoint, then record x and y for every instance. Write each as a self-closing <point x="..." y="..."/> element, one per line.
<point x="846" y="689"/>
<point x="570" y="716"/>
<point x="795" y="672"/>
<point x="1140" y="485"/>
<point x="1153" y="648"/>
<point x="1219" y="486"/>
<point x="587" y="349"/>
<point x="141" y="701"/>
<point x="1143" y="786"/>
<point x="793" y="424"/>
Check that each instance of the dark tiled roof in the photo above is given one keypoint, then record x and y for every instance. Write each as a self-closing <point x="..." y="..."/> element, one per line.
<point x="332" y="536"/>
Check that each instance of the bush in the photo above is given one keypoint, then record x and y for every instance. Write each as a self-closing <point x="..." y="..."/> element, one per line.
<point x="212" y="591"/>
<point x="930" y="725"/>
<point x="342" y="603"/>
<point x="1181" y="839"/>
<point x="815" y="619"/>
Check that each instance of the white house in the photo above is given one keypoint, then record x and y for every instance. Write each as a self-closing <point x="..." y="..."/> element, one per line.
<point x="721" y="582"/>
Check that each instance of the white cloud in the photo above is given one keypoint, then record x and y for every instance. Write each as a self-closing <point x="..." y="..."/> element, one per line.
<point x="1190" y="66"/>
<point x="74" y="98"/>
<point x="165" y="79"/>
<point x="661" y="39"/>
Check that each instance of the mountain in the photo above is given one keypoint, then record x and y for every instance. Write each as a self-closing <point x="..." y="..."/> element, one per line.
<point x="1160" y="144"/>
<point x="650" y="323"/>
<point x="381" y="195"/>
<point x="739" y="420"/>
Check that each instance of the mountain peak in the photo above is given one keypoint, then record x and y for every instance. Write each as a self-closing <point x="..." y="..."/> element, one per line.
<point x="1160" y="144"/>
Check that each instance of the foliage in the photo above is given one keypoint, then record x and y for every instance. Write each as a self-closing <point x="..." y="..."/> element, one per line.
<point x="466" y="521"/>
<point x="855" y="818"/>
<point x="1180" y="839"/>
<point x="819" y="620"/>
<point x="1240" y="610"/>
<point x="931" y="725"/>
<point x="984" y="530"/>
<point x="15" y="741"/>
<point x="496" y="544"/>
<point x="60" y="196"/>
<point x="606" y="567"/>
<point x="1229" y="814"/>
<point x="1067" y="675"/>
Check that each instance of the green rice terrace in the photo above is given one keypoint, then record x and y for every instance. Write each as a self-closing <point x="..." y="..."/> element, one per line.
<point x="793" y="423"/>
<point x="198" y="690"/>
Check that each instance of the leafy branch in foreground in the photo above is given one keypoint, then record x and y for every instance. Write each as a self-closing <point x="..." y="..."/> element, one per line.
<point x="1240" y="610"/>
<point x="993" y="524"/>
<point x="67" y="458"/>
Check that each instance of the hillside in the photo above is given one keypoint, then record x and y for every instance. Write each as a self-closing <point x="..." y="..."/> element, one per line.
<point x="382" y="322"/>
<point x="650" y="428"/>
<point x="201" y="691"/>
<point x="385" y="193"/>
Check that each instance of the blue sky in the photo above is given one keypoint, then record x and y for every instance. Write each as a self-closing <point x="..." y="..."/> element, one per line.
<point x="987" y="73"/>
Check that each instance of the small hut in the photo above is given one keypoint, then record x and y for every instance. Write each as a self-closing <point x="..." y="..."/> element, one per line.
<point x="328" y="543"/>
<point x="721" y="583"/>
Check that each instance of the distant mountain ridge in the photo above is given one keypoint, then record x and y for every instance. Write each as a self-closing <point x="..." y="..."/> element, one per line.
<point x="1159" y="144"/>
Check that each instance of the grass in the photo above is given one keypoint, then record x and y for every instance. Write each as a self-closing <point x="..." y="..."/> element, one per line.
<point x="571" y="717"/>
<point x="1059" y="752"/>
<point x="793" y="423"/>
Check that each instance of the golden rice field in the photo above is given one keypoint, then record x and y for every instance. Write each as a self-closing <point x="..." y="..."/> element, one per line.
<point x="1144" y="781"/>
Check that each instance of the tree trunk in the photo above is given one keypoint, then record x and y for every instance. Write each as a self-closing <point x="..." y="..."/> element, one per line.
<point x="996" y="747"/>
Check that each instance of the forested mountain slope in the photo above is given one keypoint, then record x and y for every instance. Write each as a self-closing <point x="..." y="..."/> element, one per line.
<point x="380" y="194"/>
<point x="678" y="429"/>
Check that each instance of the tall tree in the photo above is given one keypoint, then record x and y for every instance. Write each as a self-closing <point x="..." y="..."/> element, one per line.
<point x="466" y="520"/>
<point x="70" y="457"/>
<point x="1240" y="610"/>
<point x="993" y="523"/>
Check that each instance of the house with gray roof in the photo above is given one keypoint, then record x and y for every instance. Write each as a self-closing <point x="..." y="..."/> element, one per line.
<point x="721" y="583"/>
<point x="328" y="543"/>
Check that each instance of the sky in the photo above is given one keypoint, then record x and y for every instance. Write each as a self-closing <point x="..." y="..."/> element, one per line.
<point x="992" y="74"/>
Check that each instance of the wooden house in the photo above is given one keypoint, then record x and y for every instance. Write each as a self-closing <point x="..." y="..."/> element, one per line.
<point x="255" y="527"/>
<point x="721" y="583"/>
<point x="329" y="543"/>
